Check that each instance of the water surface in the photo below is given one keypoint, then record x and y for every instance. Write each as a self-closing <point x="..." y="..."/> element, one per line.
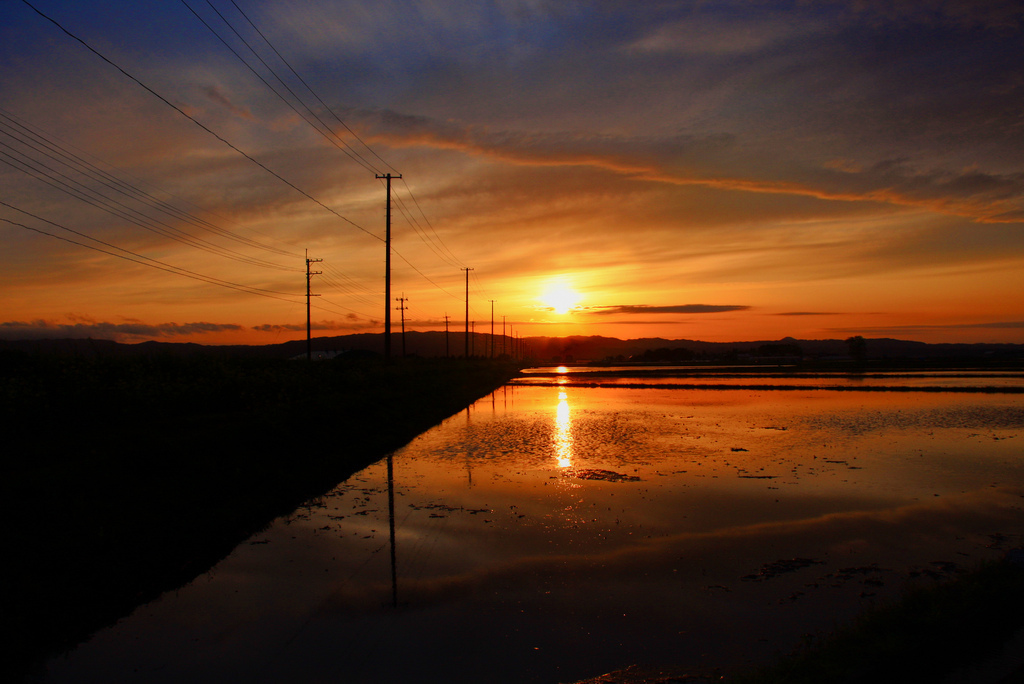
<point x="551" y="533"/>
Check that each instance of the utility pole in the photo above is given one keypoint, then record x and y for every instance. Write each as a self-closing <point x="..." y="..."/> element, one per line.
<point x="447" y="353"/>
<point x="402" y="307"/>
<point x="492" y="328"/>
<point x="472" y="337"/>
<point x="502" y="335"/>
<point x="467" y="270"/>
<point x="387" y="268"/>
<point x="309" y="325"/>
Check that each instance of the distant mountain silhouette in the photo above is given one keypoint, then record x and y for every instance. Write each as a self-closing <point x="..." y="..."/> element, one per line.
<point x="543" y="349"/>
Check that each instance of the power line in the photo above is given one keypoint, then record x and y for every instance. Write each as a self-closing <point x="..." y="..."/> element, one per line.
<point x="17" y="129"/>
<point x="143" y="260"/>
<point x="47" y="139"/>
<point x="451" y="259"/>
<point x="350" y="281"/>
<point x="71" y="190"/>
<point x="309" y="88"/>
<point x="339" y="306"/>
<point x="430" y="225"/>
<point x="424" y="275"/>
<point x="335" y="285"/>
<point x="422" y="234"/>
<point x="192" y="119"/>
<point x="478" y="290"/>
<point x="344" y="148"/>
<point x="100" y="201"/>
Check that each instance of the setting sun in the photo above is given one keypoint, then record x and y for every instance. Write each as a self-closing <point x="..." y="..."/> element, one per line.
<point x="691" y="211"/>
<point x="560" y="298"/>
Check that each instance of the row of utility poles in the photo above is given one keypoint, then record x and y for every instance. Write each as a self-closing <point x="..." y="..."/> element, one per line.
<point x="516" y="346"/>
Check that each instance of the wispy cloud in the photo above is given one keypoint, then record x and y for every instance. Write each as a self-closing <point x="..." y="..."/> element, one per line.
<point x="352" y="323"/>
<point x="217" y="95"/>
<point x="677" y="309"/>
<point x="918" y="329"/>
<point x="717" y="161"/>
<point x="712" y="35"/>
<point x="132" y="330"/>
<point x="730" y="151"/>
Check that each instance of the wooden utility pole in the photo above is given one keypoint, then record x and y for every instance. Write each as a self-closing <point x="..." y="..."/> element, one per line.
<point x="447" y="353"/>
<point x="502" y="335"/>
<point x="492" y="328"/>
<point x="402" y="307"/>
<point x="467" y="270"/>
<point x="387" y="268"/>
<point x="309" y="324"/>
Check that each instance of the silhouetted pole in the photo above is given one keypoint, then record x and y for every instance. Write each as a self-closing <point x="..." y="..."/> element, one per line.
<point x="492" y="328"/>
<point x="309" y="324"/>
<point x="387" y="268"/>
<point x="502" y="335"/>
<point x="447" y="353"/>
<point x="472" y="337"/>
<point x="467" y="270"/>
<point x="402" y="307"/>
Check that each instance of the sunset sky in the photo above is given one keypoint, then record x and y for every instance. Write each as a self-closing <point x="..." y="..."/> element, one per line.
<point x="717" y="171"/>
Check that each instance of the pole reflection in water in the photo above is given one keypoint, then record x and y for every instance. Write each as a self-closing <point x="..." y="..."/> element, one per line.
<point x="391" y="522"/>
<point x="469" y="448"/>
<point x="563" y="431"/>
<point x="602" y="527"/>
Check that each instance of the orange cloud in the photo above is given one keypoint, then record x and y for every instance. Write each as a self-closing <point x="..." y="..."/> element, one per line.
<point x="83" y="327"/>
<point x="689" y="160"/>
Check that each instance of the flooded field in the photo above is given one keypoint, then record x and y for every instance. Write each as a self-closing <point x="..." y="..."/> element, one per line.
<point x="554" y="532"/>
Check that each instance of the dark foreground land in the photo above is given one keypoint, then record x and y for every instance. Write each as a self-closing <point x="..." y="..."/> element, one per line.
<point x="127" y="477"/>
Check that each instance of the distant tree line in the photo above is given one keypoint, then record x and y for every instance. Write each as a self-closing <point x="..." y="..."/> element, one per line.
<point x="682" y="354"/>
<point x="665" y="354"/>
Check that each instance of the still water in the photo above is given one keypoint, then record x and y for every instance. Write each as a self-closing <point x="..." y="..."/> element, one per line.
<point x="551" y="533"/>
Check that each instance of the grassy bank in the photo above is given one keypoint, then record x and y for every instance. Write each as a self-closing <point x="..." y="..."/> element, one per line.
<point x="124" y="478"/>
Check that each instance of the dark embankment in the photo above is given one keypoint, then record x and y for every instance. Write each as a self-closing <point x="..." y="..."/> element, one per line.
<point x="126" y="477"/>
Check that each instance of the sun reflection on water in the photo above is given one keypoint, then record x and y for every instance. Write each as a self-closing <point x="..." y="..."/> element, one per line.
<point x="563" y="432"/>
